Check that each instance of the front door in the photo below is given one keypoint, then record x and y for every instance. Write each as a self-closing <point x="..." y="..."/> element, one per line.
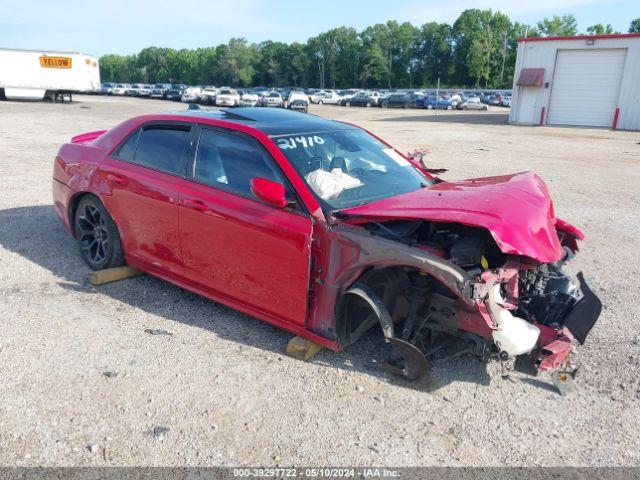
<point x="235" y="245"/>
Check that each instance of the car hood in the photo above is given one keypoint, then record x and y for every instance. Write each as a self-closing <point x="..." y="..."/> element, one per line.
<point x="515" y="209"/>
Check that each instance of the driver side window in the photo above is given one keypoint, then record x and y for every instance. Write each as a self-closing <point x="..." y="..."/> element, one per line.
<point x="229" y="161"/>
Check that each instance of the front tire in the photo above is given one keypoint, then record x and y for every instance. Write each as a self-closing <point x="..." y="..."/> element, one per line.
<point x="97" y="235"/>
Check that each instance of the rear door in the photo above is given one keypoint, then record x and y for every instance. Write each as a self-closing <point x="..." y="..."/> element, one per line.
<point x="144" y="176"/>
<point x="235" y="245"/>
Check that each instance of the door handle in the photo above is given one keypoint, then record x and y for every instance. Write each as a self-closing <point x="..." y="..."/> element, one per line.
<point x="193" y="204"/>
<point x="117" y="179"/>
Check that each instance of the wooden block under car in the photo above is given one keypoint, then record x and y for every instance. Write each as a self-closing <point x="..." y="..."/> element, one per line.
<point x="302" y="349"/>
<point x="100" y="277"/>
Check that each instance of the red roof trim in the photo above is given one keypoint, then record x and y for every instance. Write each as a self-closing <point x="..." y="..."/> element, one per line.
<point x="579" y="37"/>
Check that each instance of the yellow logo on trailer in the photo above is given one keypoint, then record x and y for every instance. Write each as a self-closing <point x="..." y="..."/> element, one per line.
<point x="55" y="62"/>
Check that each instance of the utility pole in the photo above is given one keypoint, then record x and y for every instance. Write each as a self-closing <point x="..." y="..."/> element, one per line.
<point x="435" y="110"/>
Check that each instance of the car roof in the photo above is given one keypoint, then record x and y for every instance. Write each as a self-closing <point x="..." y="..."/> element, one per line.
<point x="271" y="121"/>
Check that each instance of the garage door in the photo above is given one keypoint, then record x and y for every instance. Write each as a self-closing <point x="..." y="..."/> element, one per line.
<point x="586" y="86"/>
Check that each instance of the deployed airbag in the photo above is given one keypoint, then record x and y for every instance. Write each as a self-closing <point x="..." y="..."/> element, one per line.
<point x="328" y="185"/>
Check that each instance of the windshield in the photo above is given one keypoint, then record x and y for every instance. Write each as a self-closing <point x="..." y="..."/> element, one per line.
<point x="345" y="168"/>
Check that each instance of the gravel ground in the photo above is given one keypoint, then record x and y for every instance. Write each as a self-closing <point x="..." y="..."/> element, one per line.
<point x="83" y="384"/>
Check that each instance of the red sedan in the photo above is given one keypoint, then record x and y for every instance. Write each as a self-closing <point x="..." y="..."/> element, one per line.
<point x="323" y="229"/>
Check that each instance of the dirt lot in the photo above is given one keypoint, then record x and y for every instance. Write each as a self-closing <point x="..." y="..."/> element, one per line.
<point x="220" y="383"/>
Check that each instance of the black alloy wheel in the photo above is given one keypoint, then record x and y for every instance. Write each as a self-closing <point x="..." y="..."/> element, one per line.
<point x="97" y="235"/>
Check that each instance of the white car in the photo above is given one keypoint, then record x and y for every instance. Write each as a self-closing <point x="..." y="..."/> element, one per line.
<point x="272" y="99"/>
<point x="506" y="101"/>
<point x="145" y="90"/>
<point x="227" y="97"/>
<point x="120" y="89"/>
<point x="191" y="95"/>
<point x="249" y="100"/>
<point x="298" y="100"/>
<point x="208" y="95"/>
<point x="330" y="97"/>
<point x="132" y="91"/>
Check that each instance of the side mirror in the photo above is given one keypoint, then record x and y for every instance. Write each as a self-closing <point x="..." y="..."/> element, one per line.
<point x="269" y="191"/>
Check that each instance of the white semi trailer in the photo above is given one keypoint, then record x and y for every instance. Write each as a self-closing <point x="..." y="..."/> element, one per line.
<point x="34" y="74"/>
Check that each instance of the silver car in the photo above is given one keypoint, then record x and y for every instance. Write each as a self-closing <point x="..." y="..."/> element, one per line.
<point x="472" y="103"/>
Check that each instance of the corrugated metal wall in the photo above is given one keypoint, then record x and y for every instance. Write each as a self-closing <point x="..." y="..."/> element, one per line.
<point x="542" y="54"/>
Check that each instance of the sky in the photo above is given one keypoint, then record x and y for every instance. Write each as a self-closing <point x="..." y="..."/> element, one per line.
<point x="125" y="27"/>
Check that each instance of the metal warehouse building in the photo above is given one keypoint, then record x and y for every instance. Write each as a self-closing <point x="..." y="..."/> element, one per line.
<point x="591" y="80"/>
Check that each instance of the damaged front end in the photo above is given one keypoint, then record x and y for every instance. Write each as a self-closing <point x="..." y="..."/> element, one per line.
<point x="436" y="286"/>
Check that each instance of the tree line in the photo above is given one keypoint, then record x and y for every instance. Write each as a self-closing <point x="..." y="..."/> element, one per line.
<point x="477" y="50"/>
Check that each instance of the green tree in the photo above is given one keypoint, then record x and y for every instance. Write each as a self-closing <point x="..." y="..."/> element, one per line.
<point x="474" y="46"/>
<point x="375" y="68"/>
<point x="298" y="65"/>
<point x="565" y="25"/>
<point x="635" y="26"/>
<point x="600" y="29"/>
<point x="271" y="68"/>
<point x="377" y="52"/>
<point x="235" y="65"/>
<point x="432" y="54"/>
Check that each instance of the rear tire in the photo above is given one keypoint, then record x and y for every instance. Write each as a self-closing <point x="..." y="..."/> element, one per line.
<point x="97" y="234"/>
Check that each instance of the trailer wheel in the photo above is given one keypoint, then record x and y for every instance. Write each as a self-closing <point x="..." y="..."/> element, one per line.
<point x="2" y="95"/>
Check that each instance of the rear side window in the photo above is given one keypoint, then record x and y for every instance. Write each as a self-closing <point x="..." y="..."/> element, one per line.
<point x="162" y="148"/>
<point x="230" y="161"/>
<point x="128" y="148"/>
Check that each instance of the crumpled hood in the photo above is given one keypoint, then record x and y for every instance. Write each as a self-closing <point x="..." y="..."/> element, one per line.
<point x="515" y="209"/>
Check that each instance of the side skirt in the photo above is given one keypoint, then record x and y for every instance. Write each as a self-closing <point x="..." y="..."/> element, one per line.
<point x="279" y="322"/>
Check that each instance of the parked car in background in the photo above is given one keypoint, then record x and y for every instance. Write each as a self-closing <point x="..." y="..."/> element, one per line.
<point x="175" y="92"/>
<point x="145" y="90"/>
<point x="191" y="95"/>
<point x="417" y="99"/>
<point x="362" y="99"/>
<point x="107" y="88"/>
<point x="227" y="97"/>
<point x="495" y="100"/>
<point x="159" y="90"/>
<point x="132" y="90"/>
<point x="208" y="95"/>
<point x="330" y="97"/>
<point x="506" y="101"/>
<point x="272" y="99"/>
<point x="396" y="100"/>
<point x="298" y="100"/>
<point x="120" y="89"/>
<point x="325" y="96"/>
<point x="347" y="96"/>
<point x="249" y="99"/>
<point x="472" y="103"/>
<point x="439" y="103"/>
